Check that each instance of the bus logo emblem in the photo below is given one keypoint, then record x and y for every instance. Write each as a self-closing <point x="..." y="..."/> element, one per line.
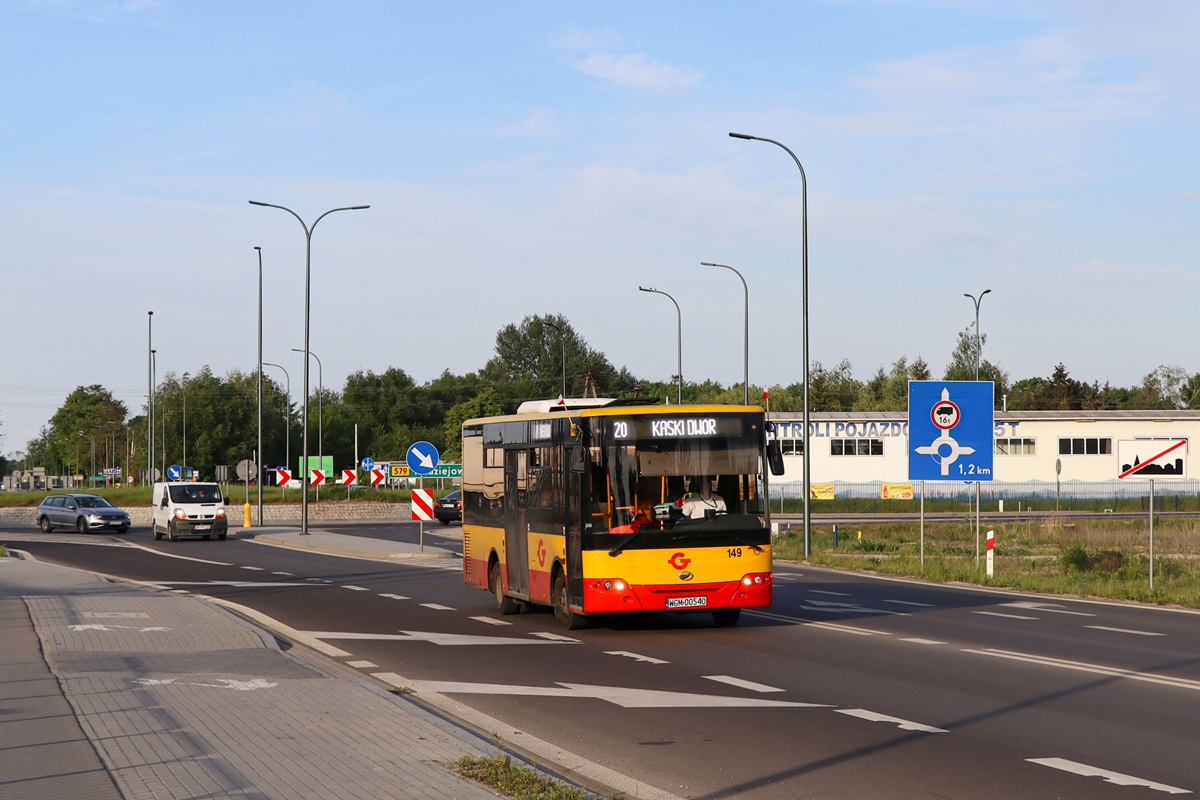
<point x="679" y="561"/>
<point x="686" y="576"/>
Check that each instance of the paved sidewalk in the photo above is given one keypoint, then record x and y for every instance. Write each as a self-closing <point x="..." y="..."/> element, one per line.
<point x="114" y="691"/>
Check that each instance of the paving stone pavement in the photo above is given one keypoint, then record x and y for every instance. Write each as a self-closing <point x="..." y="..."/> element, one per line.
<point x="114" y="691"/>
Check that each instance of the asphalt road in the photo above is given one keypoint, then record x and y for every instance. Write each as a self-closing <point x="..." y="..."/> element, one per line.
<point x="849" y="686"/>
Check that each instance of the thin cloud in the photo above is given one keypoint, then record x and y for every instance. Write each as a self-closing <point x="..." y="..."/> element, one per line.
<point x="637" y="71"/>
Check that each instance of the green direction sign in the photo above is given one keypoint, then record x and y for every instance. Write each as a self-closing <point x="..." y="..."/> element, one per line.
<point x="445" y="471"/>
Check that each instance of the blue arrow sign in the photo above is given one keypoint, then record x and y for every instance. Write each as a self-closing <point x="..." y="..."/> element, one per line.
<point x="174" y="472"/>
<point x="951" y="425"/>
<point x="422" y="458"/>
<point x="368" y="464"/>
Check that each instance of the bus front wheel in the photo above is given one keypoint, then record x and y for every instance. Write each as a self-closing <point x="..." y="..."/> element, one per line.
<point x="504" y="604"/>
<point x="562" y="607"/>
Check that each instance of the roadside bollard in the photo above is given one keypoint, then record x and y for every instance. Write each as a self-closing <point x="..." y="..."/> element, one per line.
<point x="835" y="537"/>
<point x="246" y="523"/>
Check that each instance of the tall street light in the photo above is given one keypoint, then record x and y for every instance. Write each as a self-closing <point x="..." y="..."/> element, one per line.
<point x="562" y="339"/>
<point x="259" y="455"/>
<point x="92" y="474"/>
<point x="746" y="330"/>
<point x="308" y="229"/>
<point x="287" y="417"/>
<point x="978" y="341"/>
<point x="154" y="381"/>
<point x="149" y="397"/>
<point x="184" y="382"/>
<point x="320" y="414"/>
<point x="804" y="326"/>
<point x="678" y="337"/>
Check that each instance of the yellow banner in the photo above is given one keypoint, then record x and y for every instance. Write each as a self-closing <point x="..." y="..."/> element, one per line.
<point x="896" y="491"/>
<point x="820" y="491"/>
<point x="399" y="471"/>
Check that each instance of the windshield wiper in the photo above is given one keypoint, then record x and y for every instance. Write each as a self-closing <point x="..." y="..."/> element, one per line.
<point x="618" y="548"/>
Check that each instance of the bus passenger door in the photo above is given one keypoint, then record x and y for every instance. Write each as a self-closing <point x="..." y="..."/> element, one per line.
<point x="516" y="525"/>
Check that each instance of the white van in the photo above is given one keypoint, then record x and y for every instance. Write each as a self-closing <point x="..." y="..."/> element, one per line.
<point x="186" y="508"/>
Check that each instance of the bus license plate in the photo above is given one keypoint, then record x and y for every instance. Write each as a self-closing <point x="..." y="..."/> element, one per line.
<point x="686" y="602"/>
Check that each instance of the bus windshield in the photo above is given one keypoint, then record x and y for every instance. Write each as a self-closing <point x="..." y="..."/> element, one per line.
<point x="662" y="472"/>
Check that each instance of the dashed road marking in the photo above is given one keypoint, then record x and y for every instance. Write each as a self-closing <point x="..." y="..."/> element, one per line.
<point x="355" y="588"/>
<point x="915" y="640"/>
<point x="1109" y="776"/>
<point x="1079" y="666"/>
<point x="903" y="724"/>
<point x="1052" y="608"/>
<point x="844" y="629"/>
<point x="285" y="574"/>
<point x="438" y="607"/>
<point x="751" y="685"/>
<point x="555" y="637"/>
<point x="394" y="596"/>
<point x="1123" y="630"/>
<point x="362" y="665"/>
<point x="824" y="591"/>
<point x="910" y="603"/>
<point x="255" y="569"/>
<point x="635" y="656"/>
<point x="999" y="614"/>
<point x="626" y="697"/>
<point x="491" y="621"/>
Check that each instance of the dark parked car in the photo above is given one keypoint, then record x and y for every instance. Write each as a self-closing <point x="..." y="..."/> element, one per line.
<point x="83" y="512"/>
<point x="449" y="507"/>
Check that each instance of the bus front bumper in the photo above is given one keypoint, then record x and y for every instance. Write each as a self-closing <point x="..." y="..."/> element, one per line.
<point x="615" y="595"/>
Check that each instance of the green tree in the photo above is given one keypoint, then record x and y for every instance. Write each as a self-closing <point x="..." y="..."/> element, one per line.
<point x="963" y="360"/>
<point x="483" y="404"/>
<point x="89" y="417"/>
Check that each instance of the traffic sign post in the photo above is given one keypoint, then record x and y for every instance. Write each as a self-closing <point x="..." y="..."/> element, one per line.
<point x="422" y="509"/>
<point x="951" y="434"/>
<point x="1147" y="459"/>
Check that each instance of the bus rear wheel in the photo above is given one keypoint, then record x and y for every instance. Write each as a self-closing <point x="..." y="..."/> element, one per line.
<point x="562" y="606"/>
<point x="504" y="604"/>
<point x="726" y="617"/>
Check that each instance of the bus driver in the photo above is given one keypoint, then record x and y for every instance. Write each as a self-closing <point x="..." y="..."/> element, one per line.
<point x="701" y="499"/>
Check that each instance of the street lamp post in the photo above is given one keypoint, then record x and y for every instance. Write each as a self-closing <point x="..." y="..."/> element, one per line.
<point x="320" y="415"/>
<point x="746" y="330"/>
<point x="678" y="337"/>
<point x="153" y="381"/>
<point x="308" y="229"/>
<point x="184" y="381"/>
<point x="287" y="418"/>
<point x="978" y="340"/>
<point x="259" y="459"/>
<point x="562" y="339"/>
<point x="149" y="397"/>
<point x="804" y="322"/>
<point x="92" y="474"/>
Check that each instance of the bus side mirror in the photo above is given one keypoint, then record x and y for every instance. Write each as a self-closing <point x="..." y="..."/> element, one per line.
<point x="775" y="457"/>
<point x="578" y="459"/>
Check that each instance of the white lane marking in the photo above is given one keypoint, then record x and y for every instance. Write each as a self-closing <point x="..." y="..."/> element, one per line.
<point x="256" y="569"/>
<point x="1109" y="776"/>
<point x="844" y="629"/>
<point x="617" y="695"/>
<point x="285" y="574"/>
<point x="491" y="620"/>
<point x="362" y="665"/>
<point x="1053" y="608"/>
<point x="903" y="724"/>
<point x="438" y="607"/>
<point x="394" y="596"/>
<point x="1123" y="630"/>
<point x="751" y="685"/>
<point x="635" y="656"/>
<point x="998" y="614"/>
<point x="442" y="639"/>
<point x="176" y="555"/>
<point x="833" y="607"/>
<point x="555" y="637"/>
<point x="1116" y="672"/>
<point x="911" y="603"/>
<point x="835" y="594"/>
<point x="355" y="588"/>
<point x="915" y="640"/>
<point x="238" y="584"/>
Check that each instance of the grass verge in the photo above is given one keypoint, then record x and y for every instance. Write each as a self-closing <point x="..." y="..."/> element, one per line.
<point x="516" y="780"/>
<point x="1091" y="558"/>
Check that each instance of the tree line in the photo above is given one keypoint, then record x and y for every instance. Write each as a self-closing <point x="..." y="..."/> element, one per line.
<point x="216" y="417"/>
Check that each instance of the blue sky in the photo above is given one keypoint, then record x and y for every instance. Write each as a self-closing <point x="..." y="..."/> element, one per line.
<point x="549" y="157"/>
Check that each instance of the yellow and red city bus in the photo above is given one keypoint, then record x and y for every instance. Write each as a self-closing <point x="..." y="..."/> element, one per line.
<point x="578" y="505"/>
